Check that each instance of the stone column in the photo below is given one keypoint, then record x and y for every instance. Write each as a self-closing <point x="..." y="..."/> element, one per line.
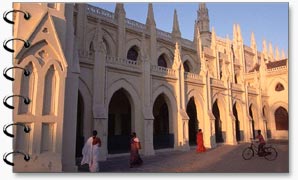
<point x="212" y="141"/>
<point x="147" y="110"/>
<point x="185" y="134"/>
<point x="100" y="108"/>
<point x="69" y="123"/>
<point x="71" y="95"/>
<point x="101" y="126"/>
<point x="148" y="132"/>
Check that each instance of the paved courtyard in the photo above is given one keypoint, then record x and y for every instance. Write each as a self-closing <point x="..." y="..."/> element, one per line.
<point x="223" y="159"/>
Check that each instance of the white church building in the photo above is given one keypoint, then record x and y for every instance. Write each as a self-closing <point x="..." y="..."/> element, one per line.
<point x="92" y="69"/>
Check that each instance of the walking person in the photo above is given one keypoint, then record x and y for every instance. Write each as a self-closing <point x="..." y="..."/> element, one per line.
<point x="200" y="142"/>
<point x="91" y="152"/>
<point x="135" y="145"/>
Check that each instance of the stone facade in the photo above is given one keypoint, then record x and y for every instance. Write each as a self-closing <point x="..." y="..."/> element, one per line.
<point x="95" y="69"/>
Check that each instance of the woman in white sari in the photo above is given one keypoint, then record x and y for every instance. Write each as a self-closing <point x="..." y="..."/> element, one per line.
<point x="91" y="153"/>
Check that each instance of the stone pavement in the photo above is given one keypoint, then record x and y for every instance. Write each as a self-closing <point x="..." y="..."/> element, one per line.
<point x="223" y="159"/>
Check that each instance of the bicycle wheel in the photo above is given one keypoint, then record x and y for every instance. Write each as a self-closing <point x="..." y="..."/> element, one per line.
<point x="247" y="153"/>
<point x="270" y="153"/>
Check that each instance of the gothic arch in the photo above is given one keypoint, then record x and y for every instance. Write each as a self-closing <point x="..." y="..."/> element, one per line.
<point x="31" y="58"/>
<point x="133" y="53"/>
<point x="106" y="38"/>
<point x="169" y="56"/>
<point x="172" y="105"/>
<point x="111" y="44"/>
<point x="253" y="114"/>
<point x="219" y="99"/>
<point x="134" y="42"/>
<point x="191" y="62"/>
<point x="275" y="106"/>
<point x="133" y="97"/>
<point x="45" y="51"/>
<point x="199" y="101"/>
<point x="87" y="98"/>
<point x="275" y="81"/>
<point x="239" y="119"/>
<point x="28" y="89"/>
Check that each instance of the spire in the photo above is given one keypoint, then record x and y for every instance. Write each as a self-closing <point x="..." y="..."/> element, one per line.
<point x="264" y="46"/>
<point x="177" y="57"/>
<point x="119" y="10"/>
<point x="176" y="31"/>
<point x="213" y="38"/>
<point x="239" y="33"/>
<point x="199" y="42"/>
<point x="235" y="36"/>
<point x="277" y="57"/>
<point x="270" y="51"/>
<point x="150" y="15"/>
<point x="283" y="56"/>
<point x="265" y="52"/>
<point x="253" y="44"/>
<point x="203" y="18"/>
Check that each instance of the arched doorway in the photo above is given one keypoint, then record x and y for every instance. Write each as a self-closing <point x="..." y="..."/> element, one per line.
<point x="193" y="121"/>
<point x="281" y="119"/>
<point x="80" y="126"/>
<point x="119" y="123"/>
<point x="237" y="123"/>
<point x="161" y="131"/>
<point x="218" y="123"/>
<point x="252" y="122"/>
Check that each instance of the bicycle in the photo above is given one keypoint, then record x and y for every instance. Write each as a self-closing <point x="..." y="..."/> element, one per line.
<point x="269" y="152"/>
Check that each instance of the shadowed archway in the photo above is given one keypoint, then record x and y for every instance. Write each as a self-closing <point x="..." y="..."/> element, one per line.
<point x="161" y="127"/>
<point x="237" y="123"/>
<point x="253" y="122"/>
<point x="119" y="123"/>
<point x="218" y="123"/>
<point x="80" y="125"/>
<point x="193" y="121"/>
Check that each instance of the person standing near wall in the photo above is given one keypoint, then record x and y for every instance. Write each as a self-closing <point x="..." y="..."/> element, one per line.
<point x="91" y="152"/>
<point x="200" y="142"/>
<point x="135" y="145"/>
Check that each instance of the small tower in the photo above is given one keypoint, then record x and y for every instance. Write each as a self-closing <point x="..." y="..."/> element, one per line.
<point x="283" y="56"/>
<point x="120" y="15"/>
<point x="203" y="24"/>
<point x="265" y="51"/>
<point x="270" y="55"/>
<point x="151" y="28"/>
<point x="150" y="16"/>
<point x="253" y="46"/>
<point x="176" y="30"/>
<point x="277" y="57"/>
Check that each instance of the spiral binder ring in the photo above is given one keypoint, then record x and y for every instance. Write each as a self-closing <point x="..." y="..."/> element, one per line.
<point x="26" y="44"/>
<point x="26" y="100"/>
<point x="27" y="15"/>
<point x="26" y="129"/>
<point x="26" y="157"/>
<point x="26" y="72"/>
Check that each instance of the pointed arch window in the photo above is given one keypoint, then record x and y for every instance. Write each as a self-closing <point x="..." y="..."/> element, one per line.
<point x="27" y="88"/>
<point x="186" y="66"/>
<point x="50" y="93"/>
<point x="133" y="53"/>
<point x="162" y="61"/>
<point x="279" y="87"/>
<point x="281" y="119"/>
<point x="52" y="5"/>
<point x="91" y="49"/>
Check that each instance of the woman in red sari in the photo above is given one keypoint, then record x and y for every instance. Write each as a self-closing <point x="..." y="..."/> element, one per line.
<point x="135" y="145"/>
<point x="200" y="142"/>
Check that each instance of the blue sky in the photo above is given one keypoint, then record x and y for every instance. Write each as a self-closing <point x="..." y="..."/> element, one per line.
<point x="268" y="21"/>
